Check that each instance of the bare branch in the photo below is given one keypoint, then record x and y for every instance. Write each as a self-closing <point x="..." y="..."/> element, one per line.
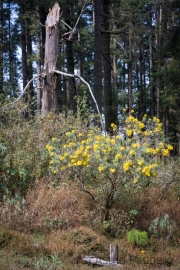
<point x="90" y="90"/>
<point x="66" y="25"/>
<point x="36" y="76"/>
<point x="118" y="43"/>
<point x="74" y="28"/>
<point x="42" y="24"/>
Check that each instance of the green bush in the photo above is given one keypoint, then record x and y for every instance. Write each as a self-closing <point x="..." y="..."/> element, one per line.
<point x="162" y="227"/>
<point x="137" y="237"/>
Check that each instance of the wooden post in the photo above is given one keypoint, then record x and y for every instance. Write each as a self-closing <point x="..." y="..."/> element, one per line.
<point x="114" y="253"/>
<point x="49" y="102"/>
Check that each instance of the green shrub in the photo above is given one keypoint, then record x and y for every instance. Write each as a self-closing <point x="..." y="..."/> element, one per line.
<point x="162" y="227"/>
<point x="137" y="237"/>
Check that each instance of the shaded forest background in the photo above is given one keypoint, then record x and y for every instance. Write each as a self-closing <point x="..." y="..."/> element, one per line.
<point x="129" y="52"/>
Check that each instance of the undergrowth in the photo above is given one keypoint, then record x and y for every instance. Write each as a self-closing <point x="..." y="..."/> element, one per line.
<point x="63" y="215"/>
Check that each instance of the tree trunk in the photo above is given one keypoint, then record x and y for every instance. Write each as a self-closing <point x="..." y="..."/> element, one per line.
<point x="1" y="49"/>
<point x="23" y="46"/>
<point x="108" y="95"/>
<point x="158" y="43"/>
<point x="38" y="63"/>
<point x="98" y="11"/>
<point x="49" y="102"/>
<point x="29" y="64"/>
<point x="130" y="102"/>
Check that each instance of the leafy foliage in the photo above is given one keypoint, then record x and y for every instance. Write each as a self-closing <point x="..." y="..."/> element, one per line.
<point x="51" y="262"/>
<point x="137" y="237"/>
<point x="162" y="227"/>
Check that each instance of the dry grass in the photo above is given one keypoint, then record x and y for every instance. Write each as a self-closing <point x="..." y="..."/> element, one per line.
<point x="67" y="217"/>
<point x="77" y="242"/>
<point x="48" y="208"/>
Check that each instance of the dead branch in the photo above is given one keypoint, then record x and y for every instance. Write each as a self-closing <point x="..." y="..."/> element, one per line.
<point x="66" y="24"/>
<point x="74" y="28"/>
<point x="35" y="77"/>
<point x="90" y="90"/>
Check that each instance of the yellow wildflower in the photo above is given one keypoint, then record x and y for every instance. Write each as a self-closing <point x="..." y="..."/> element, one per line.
<point x="161" y="145"/>
<point x="112" y="170"/>
<point x="118" y="156"/>
<point x="141" y="125"/>
<point x="101" y="168"/>
<point x="127" y="165"/>
<point x="140" y="162"/>
<point x="165" y="152"/>
<point x="170" y="147"/>
<point x="129" y="132"/>
<point x="131" y="153"/>
<point x="79" y="163"/>
<point x="145" y="133"/>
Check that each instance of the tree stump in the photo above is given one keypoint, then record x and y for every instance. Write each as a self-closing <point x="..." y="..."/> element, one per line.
<point x="113" y="253"/>
<point x="49" y="101"/>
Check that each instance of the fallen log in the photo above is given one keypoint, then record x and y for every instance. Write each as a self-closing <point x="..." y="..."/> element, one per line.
<point x="97" y="261"/>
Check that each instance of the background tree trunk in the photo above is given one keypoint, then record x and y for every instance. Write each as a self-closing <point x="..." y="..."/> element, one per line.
<point x="38" y="62"/>
<point x="98" y="13"/>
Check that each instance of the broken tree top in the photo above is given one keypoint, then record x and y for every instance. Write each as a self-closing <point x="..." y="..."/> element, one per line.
<point x="53" y="16"/>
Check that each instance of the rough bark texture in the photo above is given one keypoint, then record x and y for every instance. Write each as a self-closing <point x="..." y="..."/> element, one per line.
<point x="98" y="15"/>
<point x="130" y="72"/>
<point x="49" y="102"/>
<point x="23" y="46"/>
<point x="38" y="63"/>
<point x="113" y="253"/>
<point x="108" y="95"/>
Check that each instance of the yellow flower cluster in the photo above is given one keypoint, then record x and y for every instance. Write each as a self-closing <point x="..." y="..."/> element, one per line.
<point x="127" y="165"/>
<point x="148" y="170"/>
<point x="115" y="157"/>
<point x="114" y="127"/>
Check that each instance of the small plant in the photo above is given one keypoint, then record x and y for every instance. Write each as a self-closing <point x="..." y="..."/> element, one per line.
<point x="48" y="263"/>
<point x="137" y="237"/>
<point x="162" y="227"/>
<point x="132" y="215"/>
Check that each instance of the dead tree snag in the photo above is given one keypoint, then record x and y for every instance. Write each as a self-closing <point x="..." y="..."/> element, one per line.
<point x="49" y="101"/>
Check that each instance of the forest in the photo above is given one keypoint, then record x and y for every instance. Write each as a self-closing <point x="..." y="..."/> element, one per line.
<point x="89" y="133"/>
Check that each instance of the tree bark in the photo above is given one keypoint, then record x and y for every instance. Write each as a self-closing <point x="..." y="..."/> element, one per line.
<point x="1" y="49"/>
<point x="24" y="50"/>
<point x="98" y="13"/>
<point x="49" y="102"/>
<point x="108" y="94"/>
<point x="38" y="63"/>
<point x="130" y="102"/>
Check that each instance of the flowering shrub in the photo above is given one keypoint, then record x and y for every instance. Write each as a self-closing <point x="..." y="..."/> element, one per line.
<point x="111" y="162"/>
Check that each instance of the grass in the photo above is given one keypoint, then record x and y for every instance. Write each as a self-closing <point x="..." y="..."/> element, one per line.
<point x="34" y="244"/>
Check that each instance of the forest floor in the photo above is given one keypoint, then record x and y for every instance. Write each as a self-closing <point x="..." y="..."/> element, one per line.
<point x="37" y="237"/>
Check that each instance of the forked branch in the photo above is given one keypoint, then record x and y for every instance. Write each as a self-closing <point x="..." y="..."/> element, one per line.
<point x="90" y="90"/>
